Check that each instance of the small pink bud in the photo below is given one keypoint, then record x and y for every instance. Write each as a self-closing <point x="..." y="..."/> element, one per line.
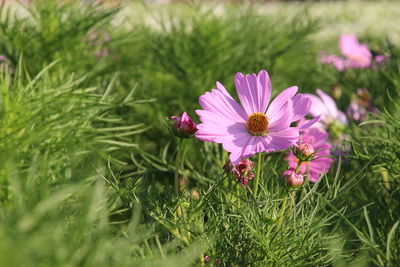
<point x="306" y="149"/>
<point x="292" y="178"/>
<point x="184" y="126"/>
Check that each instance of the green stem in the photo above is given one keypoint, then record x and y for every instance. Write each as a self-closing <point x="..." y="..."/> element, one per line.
<point x="177" y="166"/>
<point x="298" y="167"/>
<point x="258" y="175"/>
<point x="281" y="213"/>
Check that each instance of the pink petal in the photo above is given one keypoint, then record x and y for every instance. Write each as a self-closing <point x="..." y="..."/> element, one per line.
<point x="317" y="106"/>
<point x="301" y="106"/>
<point x="215" y="125"/>
<point x="282" y="118"/>
<point x="304" y="124"/>
<point x="348" y="44"/>
<point x="254" y="91"/>
<point x="220" y="102"/>
<point x="283" y="139"/>
<point x="329" y="103"/>
<point x="280" y="100"/>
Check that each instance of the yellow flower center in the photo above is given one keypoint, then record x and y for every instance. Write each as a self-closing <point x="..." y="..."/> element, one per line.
<point x="257" y="124"/>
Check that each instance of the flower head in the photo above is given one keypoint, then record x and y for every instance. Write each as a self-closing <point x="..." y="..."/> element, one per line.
<point x="184" y="126"/>
<point x="355" y="55"/>
<point x="321" y="162"/>
<point x="323" y="105"/>
<point x="358" y="56"/>
<point x="256" y="125"/>
<point x="292" y="178"/>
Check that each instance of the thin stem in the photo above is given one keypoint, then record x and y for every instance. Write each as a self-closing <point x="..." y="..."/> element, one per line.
<point x="298" y="166"/>
<point x="281" y="213"/>
<point x="258" y="175"/>
<point x="177" y="166"/>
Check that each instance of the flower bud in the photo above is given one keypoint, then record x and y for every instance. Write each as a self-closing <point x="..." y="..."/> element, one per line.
<point x="292" y="178"/>
<point x="184" y="126"/>
<point x="304" y="152"/>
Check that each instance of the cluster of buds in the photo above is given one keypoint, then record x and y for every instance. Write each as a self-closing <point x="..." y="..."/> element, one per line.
<point x="184" y="126"/>
<point x="242" y="172"/>
<point x="304" y="153"/>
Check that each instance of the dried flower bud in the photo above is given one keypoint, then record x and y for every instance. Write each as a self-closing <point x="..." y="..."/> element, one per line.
<point x="184" y="126"/>
<point x="206" y="258"/>
<point x="242" y="172"/>
<point x="292" y="178"/>
<point x="336" y="91"/>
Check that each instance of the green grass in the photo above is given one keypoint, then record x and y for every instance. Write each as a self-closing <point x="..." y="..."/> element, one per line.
<point x="87" y="162"/>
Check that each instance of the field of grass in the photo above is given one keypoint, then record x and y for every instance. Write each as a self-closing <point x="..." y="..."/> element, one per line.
<point x="92" y="175"/>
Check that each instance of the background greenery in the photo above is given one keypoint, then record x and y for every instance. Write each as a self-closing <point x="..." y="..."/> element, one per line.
<point x="87" y="162"/>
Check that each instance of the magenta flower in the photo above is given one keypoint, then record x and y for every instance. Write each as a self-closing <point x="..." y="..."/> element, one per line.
<point x="320" y="163"/>
<point x="325" y="106"/>
<point x="184" y="126"/>
<point x="254" y="126"/>
<point x="355" y="55"/>
<point x="292" y="178"/>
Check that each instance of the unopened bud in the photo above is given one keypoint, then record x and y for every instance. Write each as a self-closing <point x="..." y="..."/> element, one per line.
<point x="292" y="178"/>
<point x="304" y="152"/>
<point x="184" y="126"/>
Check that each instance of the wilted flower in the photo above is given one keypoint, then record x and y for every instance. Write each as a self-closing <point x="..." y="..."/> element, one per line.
<point x="356" y="55"/>
<point x="364" y="97"/>
<point x="206" y="258"/>
<point x="184" y="126"/>
<point x="292" y="178"/>
<point x="255" y="125"/>
<point x="242" y="172"/>
<point x="361" y="104"/>
<point x="321" y="162"/>
<point x="336" y="91"/>
<point x="356" y="112"/>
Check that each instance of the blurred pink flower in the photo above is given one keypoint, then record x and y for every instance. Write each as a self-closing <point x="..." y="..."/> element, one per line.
<point x="325" y="106"/>
<point x="355" y="55"/>
<point x="184" y="126"/>
<point x="334" y="60"/>
<point x="255" y="125"/>
<point x="320" y="163"/>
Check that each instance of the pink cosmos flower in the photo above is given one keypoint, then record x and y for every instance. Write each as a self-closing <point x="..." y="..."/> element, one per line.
<point x="356" y="55"/>
<point x="325" y="106"/>
<point x="184" y="126"/>
<point x="320" y="163"/>
<point x="254" y="126"/>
